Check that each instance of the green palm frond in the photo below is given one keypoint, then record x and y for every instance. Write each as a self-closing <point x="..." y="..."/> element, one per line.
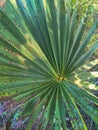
<point x="42" y="53"/>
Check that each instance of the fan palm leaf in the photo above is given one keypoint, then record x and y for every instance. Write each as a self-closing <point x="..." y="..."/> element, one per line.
<point x="42" y="52"/>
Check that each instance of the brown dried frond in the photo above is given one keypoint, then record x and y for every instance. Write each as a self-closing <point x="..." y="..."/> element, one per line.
<point x="2" y="3"/>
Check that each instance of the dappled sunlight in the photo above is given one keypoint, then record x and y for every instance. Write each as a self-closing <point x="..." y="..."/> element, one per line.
<point x="92" y="86"/>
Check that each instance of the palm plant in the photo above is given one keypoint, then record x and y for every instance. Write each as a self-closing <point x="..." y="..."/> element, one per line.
<point x="42" y="52"/>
